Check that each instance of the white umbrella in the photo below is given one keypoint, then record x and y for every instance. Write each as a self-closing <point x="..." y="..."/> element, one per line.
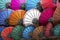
<point x="31" y="17"/>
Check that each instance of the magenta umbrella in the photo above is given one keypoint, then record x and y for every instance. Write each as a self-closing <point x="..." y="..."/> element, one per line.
<point x="16" y="4"/>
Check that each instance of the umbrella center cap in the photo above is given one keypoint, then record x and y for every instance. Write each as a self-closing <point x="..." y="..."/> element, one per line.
<point x="20" y="22"/>
<point x="23" y="6"/>
<point x="8" y="5"/>
<point x="35" y="21"/>
<point x="6" y="21"/>
<point x="51" y="19"/>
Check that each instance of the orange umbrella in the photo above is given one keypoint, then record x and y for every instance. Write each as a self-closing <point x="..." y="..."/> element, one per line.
<point x="16" y="17"/>
<point x="38" y="32"/>
<point x="6" y="33"/>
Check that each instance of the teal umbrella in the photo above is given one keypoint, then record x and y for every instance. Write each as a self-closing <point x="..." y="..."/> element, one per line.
<point x="4" y="4"/>
<point x="17" y="32"/>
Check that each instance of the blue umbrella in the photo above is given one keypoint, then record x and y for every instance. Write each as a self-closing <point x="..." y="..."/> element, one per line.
<point x="4" y="15"/>
<point x="56" y="30"/>
<point x="4" y="3"/>
<point x="31" y="4"/>
<point x="1" y="29"/>
<point x="27" y="31"/>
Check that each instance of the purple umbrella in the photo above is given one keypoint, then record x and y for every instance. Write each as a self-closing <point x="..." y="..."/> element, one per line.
<point x="16" y="4"/>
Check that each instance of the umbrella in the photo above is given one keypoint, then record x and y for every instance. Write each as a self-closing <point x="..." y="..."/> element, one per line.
<point x="17" y="32"/>
<point x="6" y="33"/>
<point x="46" y="16"/>
<point x="48" y="4"/>
<point x="31" y="17"/>
<point x="16" y="5"/>
<point x="28" y="31"/>
<point x="4" y="4"/>
<point x="58" y="3"/>
<point x="56" y="30"/>
<point x="1" y="39"/>
<point x="1" y="29"/>
<point x="31" y="4"/>
<point x="38" y="32"/>
<point x="16" y="17"/>
<point x="4" y="15"/>
<point x="56" y="16"/>
<point x="39" y="7"/>
<point x="48" y="28"/>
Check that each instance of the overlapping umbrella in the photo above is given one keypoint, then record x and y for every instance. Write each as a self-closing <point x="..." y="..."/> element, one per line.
<point x="27" y="32"/>
<point x="16" y="17"/>
<point x="4" y="4"/>
<point x="30" y="4"/>
<point x="38" y="32"/>
<point x="56" y="30"/>
<point x="1" y="29"/>
<point x="6" y="33"/>
<point x="17" y="32"/>
<point x="48" y="31"/>
<point x="31" y="17"/>
<point x="46" y="15"/>
<point x="48" y="4"/>
<point x="4" y="15"/>
<point x="16" y="4"/>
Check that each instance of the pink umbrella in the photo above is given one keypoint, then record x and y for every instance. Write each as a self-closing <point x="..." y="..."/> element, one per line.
<point x="16" y="4"/>
<point x="46" y="16"/>
<point x="58" y="3"/>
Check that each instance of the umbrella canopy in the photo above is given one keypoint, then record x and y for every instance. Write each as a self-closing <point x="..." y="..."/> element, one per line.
<point x="4" y="4"/>
<point x="58" y="3"/>
<point x="28" y="31"/>
<point x="6" y="33"/>
<point x="31" y="4"/>
<point x="16" y="4"/>
<point x="56" y="30"/>
<point x="46" y="16"/>
<point x="48" y="28"/>
<point x="1" y="39"/>
<point x="38" y="32"/>
<point x="4" y="15"/>
<point x="56" y="16"/>
<point x="1" y="29"/>
<point x="16" y="17"/>
<point x="17" y="32"/>
<point x="31" y="17"/>
<point x="48" y="4"/>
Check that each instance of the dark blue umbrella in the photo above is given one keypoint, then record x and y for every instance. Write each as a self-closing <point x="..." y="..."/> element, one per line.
<point x="4" y="15"/>
<point x="31" y="4"/>
<point x="28" y="30"/>
<point x="1" y="29"/>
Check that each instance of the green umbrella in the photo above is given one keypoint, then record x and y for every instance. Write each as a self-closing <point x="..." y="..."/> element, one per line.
<point x="17" y="32"/>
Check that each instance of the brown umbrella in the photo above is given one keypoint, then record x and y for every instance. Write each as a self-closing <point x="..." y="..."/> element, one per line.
<point x="56" y="16"/>
<point x="38" y="32"/>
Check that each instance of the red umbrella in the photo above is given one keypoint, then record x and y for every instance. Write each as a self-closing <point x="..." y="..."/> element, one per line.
<point x="5" y="33"/>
